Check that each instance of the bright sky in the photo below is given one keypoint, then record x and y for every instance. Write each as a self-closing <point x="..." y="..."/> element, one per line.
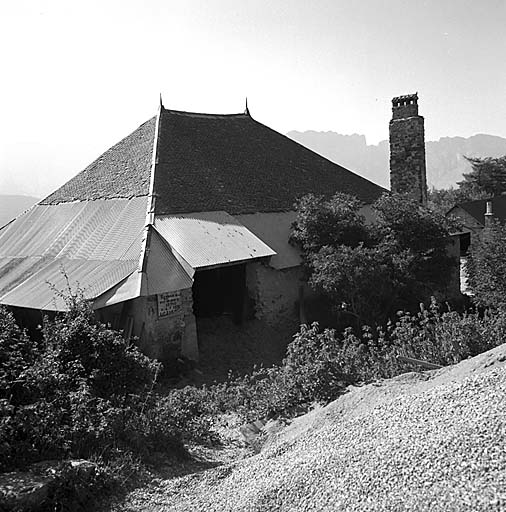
<point x="77" y="76"/>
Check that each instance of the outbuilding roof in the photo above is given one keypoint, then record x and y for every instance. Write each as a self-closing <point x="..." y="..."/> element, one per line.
<point x="478" y="207"/>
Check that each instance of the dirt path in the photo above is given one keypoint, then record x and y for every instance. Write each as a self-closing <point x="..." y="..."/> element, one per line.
<point x="227" y="347"/>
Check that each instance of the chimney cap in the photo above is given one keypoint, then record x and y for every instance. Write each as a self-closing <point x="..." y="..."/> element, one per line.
<point x="407" y="99"/>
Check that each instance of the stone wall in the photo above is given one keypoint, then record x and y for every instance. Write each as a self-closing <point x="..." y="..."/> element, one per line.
<point x="164" y="324"/>
<point x="275" y="293"/>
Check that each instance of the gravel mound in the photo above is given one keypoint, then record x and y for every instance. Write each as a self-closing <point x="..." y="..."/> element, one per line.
<point x="422" y="442"/>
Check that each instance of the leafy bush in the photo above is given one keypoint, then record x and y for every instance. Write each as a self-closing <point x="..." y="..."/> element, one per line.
<point x="80" y="348"/>
<point x="430" y="335"/>
<point x="17" y="352"/>
<point x="188" y="411"/>
<point x="486" y="267"/>
<point x="85" y="391"/>
<point x="309" y="373"/>
<point x="402" y="250"/>
<point x="320" y="363"/>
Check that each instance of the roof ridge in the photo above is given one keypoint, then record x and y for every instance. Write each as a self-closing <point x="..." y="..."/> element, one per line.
<point x="204" y="114"/>
<point x="150" y="207"/>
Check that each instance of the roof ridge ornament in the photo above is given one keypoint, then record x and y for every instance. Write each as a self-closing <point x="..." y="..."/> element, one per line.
<point x="161" y="102"/>
<point x="246" y="110"/>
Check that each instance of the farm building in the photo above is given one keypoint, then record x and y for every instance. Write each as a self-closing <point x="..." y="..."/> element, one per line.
<point x="475" y="217"/>
<point x="188" y="216"/>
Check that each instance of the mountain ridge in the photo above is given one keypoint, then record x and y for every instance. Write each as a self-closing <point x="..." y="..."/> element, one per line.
<point x="445" y="157"/>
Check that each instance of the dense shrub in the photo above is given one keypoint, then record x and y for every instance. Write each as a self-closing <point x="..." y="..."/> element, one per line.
<point x="320" y="363"/>
<point x="17" y="353"/>
<point x="308" y="373"/>
<point x="188" y="411"/>
<point x="85" y="391"/>
<point x="77" y="399"/>
<point x="486" y="267"/>
<point x="432" y="335"/>
<point x="402" y="249"/>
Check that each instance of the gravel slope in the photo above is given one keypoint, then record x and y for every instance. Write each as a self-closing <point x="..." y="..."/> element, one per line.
<point x="434" y="441"/>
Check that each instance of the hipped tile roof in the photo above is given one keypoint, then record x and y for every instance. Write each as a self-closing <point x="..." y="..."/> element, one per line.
<point x="208" y="162"/>
<point x="236" y="164"/>
<point x="123" y="171"/>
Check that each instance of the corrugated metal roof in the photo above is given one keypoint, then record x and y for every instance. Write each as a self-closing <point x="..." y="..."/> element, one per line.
<point x="163" y="271"/>
<point x="96" y="243"/>
<point x="14" y="271"/>
<point x="127" y="289"/>
<point x="163" y="274"/>
<point x="274" y="229"/>
<point x="102" y="229"/>
<point x="208" y="239"/>
<point x="40" y="290"/>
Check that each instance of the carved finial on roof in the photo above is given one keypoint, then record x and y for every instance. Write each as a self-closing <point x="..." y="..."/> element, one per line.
<point x="161" y="103"/>
<point x="246" y="110"/>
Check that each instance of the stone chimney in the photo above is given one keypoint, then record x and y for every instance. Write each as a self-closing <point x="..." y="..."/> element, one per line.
<point x="407" y="149"/>
<point x="489" y="217"/>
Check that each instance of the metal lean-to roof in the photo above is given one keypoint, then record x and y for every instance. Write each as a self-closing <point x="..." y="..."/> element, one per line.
<point x="163" y="273"/>
<point x="209" y="239"/>
<point x="91" y="245"/>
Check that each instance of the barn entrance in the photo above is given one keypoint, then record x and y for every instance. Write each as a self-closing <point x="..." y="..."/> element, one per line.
<point x="220" y="291"/>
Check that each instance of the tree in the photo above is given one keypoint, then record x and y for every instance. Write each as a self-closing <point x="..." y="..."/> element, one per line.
<point x="486" y="267"/>
<point x="488" y="175"/>
<point x="371" y="270"/>
<point x="330" y="222"/>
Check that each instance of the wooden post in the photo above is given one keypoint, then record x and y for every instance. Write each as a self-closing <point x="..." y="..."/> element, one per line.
<point x="425" y="364"/>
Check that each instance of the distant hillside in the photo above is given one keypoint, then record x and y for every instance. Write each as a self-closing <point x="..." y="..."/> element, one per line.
<point x="445" y="157"/>
<point x="12" y="206"/>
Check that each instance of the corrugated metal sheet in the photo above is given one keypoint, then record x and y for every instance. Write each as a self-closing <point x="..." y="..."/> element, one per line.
<point x="14" y="271"/>
<point x="102" y="230"/>
<point x="163" y="271"/>
<point x="41" y="290"/>
<point x="127" y="289"/>
<point x="96" y="243"/>
<point x="163" y="274"/>
<point x="274" y="229"/>
<point x="209" y="239"/>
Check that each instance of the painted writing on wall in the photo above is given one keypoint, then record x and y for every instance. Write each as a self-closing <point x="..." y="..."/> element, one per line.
<point x="169" y="303"/>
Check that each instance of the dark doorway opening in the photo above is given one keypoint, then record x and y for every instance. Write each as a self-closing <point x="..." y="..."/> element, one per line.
<point x="465" y="242"/>
<point x="220" y="291"/>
